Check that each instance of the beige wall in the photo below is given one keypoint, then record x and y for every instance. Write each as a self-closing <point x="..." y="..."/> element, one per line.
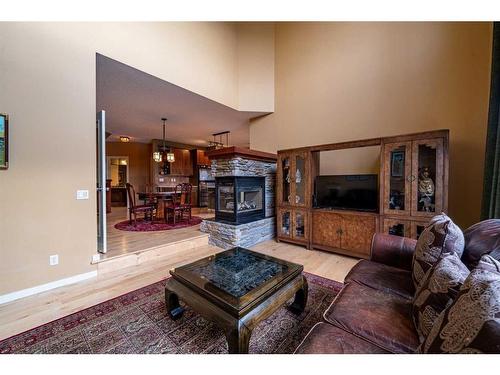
<point x="256" y="66"/>
<point x="139" y="155"/>
<point x="47" y="80"/>
<point x="346" y="81"/>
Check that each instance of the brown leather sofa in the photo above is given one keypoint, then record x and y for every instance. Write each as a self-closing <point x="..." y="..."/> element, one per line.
<point x="373" y="312"/>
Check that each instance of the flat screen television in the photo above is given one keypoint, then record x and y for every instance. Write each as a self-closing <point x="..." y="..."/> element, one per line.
<point x="347" y="192"/>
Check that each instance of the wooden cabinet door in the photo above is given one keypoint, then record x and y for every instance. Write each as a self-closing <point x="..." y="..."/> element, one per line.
<point x="300" y="225"/>
<point x="326" y="227"/>
<point x="201" y="158"/>
<point x="396" y="186"/>
<point x="357" y="233"/>
<point x="284" y="223"/>
<point x="283" y="179"/>
<point x="397" y="227"/>
<point x="428" y="157"/>
<point x="187" y="163"/>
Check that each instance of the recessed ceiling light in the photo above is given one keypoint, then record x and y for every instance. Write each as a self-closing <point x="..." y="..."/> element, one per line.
<point x="124" y="138"/>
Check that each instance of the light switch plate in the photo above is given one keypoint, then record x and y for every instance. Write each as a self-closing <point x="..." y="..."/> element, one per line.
<point x="82" y="194"/>
<point x="54" y="260"/>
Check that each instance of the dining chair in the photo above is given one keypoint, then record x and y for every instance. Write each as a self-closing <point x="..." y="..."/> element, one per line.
<point x="148" y="209"/>
<point x="180" y="203"/>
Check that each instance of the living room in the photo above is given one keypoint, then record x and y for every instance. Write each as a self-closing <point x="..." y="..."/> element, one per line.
<point x="369" y="183"/>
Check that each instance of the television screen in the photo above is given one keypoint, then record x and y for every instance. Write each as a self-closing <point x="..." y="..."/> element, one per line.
<point x="347" y="192"/>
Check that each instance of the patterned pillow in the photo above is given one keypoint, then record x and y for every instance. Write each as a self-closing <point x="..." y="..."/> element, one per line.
<point x="472" y="323"/>
<point x="439" y="288"/>
<point x="441" y="236"/>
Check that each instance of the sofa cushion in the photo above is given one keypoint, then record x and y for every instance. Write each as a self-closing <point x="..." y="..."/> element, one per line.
<point x="439" y="237"/>
<point x="480" y="239"/>
<point x="439" y="288"/>
<point x="472" y="323"/>
<point x="382" y="277"/>
<point x="382" y="318"/>
<point x="325" y="338"/>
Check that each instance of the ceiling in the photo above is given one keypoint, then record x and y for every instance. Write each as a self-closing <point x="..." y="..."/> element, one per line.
<point x="135" y="102"/>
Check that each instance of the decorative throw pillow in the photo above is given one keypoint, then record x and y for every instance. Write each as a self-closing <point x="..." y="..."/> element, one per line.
<point x="472" y="323"/>
<point x="441" y="236"/>
<point x="440" y="286"/>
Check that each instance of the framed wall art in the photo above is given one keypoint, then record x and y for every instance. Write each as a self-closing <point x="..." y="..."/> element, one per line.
<point x="4" y="141"/>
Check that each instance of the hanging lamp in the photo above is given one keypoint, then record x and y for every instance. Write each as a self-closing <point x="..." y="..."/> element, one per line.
<point x="157" y="155"/>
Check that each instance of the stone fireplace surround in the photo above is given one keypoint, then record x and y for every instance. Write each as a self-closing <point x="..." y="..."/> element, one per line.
<point x="236" y="161"/>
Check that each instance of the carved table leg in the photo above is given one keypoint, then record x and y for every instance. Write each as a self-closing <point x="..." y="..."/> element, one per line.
<point x="238" y="339"/>
<point x="174" y="309"/>
<point x="300" y="301"/>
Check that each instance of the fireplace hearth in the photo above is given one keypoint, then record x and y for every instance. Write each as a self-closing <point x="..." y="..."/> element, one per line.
<point x="239" y="199"/>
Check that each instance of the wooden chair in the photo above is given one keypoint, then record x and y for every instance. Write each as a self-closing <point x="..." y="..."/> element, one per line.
<point x="181" y="202"/>
<point x="148" y="209"/>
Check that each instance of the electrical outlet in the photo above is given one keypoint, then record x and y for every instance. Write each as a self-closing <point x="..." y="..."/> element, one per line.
<point x="82" y="194"/>
<point x="54" y="260"/>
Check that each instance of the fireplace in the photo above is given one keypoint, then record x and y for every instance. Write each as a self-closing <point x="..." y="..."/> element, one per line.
<point x="239" y="200"/>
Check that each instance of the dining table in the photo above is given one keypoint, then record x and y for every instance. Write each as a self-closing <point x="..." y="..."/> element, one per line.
<point x="163" y="197"/>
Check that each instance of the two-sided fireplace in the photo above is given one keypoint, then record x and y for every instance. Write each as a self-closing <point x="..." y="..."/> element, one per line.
<point x="239" y="199"/>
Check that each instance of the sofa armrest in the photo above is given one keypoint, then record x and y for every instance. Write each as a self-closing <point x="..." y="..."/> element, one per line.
<point x="392" y="250"/>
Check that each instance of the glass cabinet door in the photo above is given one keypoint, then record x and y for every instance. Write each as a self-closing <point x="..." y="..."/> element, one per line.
<point x="398" y="178"/>
<point x="286" y="178"/>
<point x="299" y="180"/>
<point x="300" y="225"/>
<point x="401" y="228"/>
<point x="284" y="223"/>
<point x="417" y="227"/>
<point x="427" y="177"/>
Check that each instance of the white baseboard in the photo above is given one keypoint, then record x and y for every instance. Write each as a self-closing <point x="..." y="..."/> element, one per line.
<point x="45" y="287"/>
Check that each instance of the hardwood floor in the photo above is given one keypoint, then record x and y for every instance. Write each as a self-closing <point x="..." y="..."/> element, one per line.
<point x="21" y="315"/>
<point x="122" y="242"/>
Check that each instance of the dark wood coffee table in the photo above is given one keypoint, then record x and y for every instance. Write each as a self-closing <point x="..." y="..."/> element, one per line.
<point x="236" y="289"/>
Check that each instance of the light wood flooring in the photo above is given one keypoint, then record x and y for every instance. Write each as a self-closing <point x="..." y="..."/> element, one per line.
<point x="29" y="312"/>
<point x="122" y="242"/>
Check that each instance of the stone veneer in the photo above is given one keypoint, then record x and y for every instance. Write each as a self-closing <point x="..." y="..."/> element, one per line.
<point x="226" y="235"/>
<point x="246" y="235"/>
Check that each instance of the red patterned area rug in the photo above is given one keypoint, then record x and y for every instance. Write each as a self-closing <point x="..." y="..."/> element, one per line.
<point x="137" y="322"/>
<point x="157" y="225"/>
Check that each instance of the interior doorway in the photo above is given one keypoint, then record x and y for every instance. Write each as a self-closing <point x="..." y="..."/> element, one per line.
<point x="118" y="177"/>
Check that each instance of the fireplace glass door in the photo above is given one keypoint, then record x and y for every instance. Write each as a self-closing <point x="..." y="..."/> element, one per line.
<point x="249" y="199"/>
<point x="226" y="197"/>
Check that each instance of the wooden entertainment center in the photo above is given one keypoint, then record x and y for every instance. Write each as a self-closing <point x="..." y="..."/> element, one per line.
<point x="409" y="164"/>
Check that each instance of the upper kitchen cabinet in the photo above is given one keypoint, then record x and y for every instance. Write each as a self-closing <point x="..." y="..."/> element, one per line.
<point x="202" y="159"/>
<point x="183" y="164"/>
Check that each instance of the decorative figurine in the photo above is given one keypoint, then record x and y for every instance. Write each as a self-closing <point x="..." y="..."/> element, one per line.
<point x="427" y="204"/>
<point x="298" y="177"/>
<point x="425" y="183"/>
<point x="287" y="177"/>
<point x="426" y="190"/>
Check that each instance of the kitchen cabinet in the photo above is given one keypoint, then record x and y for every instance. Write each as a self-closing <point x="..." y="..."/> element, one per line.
<point x="202" y="159"/>
<point x="182" y="166"/>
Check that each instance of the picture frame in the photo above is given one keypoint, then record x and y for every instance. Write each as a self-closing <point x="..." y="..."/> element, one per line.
<point x="4" y="141"/>
<point x="397" y="164"/>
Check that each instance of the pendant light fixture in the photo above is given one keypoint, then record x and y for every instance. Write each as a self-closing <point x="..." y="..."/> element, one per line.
<point x="157" y="155"/>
